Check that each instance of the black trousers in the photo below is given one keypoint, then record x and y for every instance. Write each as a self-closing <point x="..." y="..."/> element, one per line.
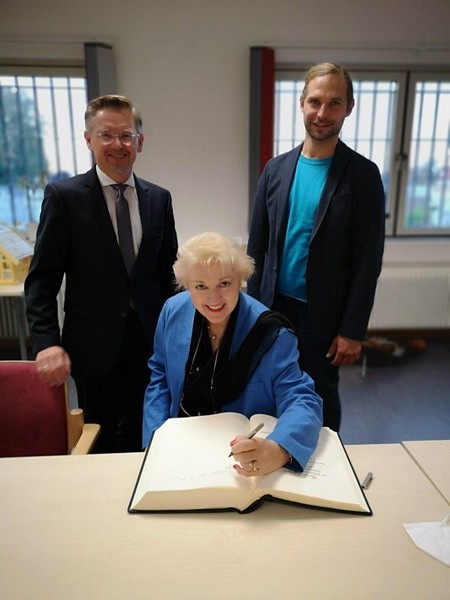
<point x="115" y="400"/>
<point x="313" y="349"/>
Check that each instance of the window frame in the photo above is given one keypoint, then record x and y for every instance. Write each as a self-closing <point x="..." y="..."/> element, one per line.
<point x="415" y="76"/>
<point x="404" y="112"/>
<point x="30" y="70"/>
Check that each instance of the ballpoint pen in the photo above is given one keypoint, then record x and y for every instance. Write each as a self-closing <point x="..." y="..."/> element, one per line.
<point x="251" y="434"/>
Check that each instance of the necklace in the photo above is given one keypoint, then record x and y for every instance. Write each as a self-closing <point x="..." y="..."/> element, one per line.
<point x="191" y="368"/>
<point x="212" y="336"/>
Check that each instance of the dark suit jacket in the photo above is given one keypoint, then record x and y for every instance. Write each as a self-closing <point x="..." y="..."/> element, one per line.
<point x="346" y="246"/>
<point x="75" y="237"/>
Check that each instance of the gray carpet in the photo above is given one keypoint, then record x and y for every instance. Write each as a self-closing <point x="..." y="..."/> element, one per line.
<point x="398" y="398"/>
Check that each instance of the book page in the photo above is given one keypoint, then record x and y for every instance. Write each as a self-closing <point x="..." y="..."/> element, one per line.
<point x="189" y="453"/>
<point x="327" y="480"/>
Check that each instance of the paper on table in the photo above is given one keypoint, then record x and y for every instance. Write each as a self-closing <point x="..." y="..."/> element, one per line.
<point x="433" y="538"/>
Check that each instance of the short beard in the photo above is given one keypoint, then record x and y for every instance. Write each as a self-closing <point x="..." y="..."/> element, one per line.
<point x="331" y="133"/>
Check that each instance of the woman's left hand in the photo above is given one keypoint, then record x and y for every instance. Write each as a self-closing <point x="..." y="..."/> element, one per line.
<point x="257" y="456"/>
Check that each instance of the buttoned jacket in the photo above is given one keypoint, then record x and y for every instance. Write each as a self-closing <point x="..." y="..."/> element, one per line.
<point x="76" y="238"/>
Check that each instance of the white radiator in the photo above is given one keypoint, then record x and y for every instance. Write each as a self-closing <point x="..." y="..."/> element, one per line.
<point x="406" y="298"/>
<point x="412" y="298"/>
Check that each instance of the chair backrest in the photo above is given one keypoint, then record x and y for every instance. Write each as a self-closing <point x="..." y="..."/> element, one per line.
<point x="33" y="416"/>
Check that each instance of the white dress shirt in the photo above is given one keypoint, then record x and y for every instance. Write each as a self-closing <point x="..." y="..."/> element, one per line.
<point x="110" y="195"/>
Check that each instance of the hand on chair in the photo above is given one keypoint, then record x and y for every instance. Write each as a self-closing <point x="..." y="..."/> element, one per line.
<point x="53" y="365"/>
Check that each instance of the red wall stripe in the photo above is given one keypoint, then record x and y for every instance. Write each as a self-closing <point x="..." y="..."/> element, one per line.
<point x="267" y="106"/>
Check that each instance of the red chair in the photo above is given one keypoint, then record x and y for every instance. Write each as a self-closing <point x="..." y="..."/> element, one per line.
<point x="35" y="419"/>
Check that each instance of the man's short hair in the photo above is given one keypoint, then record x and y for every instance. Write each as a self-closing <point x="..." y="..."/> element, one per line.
<point x="327" y="68"/>
<point x="115" y="102"/>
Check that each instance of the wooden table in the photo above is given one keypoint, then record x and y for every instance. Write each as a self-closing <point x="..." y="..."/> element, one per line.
<point x="433" y="457"/>
<point x="65" y="533"/>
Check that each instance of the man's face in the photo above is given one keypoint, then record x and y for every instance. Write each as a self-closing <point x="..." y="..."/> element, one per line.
<point x="115" y="158"/>
<point x="325" y="107"/>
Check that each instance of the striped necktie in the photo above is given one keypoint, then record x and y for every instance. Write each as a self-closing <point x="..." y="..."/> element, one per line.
<point x="124" y="228"/>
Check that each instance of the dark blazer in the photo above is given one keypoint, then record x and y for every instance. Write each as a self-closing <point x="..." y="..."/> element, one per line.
<point x="346" y="246"/>
<point x="76" y="238"/>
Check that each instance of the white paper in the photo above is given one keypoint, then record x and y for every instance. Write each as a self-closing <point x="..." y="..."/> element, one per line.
<point x="433" y="538"/>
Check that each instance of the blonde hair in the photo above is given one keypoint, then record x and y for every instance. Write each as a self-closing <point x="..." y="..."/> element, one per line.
<point x="211" y="248"/>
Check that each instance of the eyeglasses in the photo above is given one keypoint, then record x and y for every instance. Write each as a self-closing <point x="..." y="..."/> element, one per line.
<point x="125" y="137"/>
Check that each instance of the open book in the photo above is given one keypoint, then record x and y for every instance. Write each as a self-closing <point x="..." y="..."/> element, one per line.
<point x="186" y="467"/>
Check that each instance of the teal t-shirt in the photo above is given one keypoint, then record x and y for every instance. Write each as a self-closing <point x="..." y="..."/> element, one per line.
<point x="304" y="197"/>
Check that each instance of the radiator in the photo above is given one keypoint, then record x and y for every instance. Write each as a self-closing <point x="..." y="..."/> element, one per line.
<point x="8" y="320"/>
<point x="406" y="298"/>
<point x="412" y="298"/>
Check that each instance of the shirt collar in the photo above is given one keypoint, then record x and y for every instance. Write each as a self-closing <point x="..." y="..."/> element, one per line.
<point x="105" y="180"/>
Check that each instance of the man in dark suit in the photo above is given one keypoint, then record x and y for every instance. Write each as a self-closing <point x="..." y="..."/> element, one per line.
<point x="317" y="236"/>
<point x="116" y="279"/>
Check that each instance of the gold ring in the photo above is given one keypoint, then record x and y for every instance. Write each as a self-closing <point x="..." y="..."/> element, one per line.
<point x="253" y="466"/>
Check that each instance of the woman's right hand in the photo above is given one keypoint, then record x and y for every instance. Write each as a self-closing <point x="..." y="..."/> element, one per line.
<point x="257" y="456"/>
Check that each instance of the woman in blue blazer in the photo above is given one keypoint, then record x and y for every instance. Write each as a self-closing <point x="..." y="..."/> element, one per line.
<point x="217" y="349"/>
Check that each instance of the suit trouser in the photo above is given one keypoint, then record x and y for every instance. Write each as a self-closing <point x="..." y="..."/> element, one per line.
<point x="115" y="400"/>
<point x="313" y="349"/>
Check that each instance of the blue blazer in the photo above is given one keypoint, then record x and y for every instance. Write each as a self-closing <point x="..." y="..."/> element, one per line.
<point x="346" y="246"/>
<point x="278" y="387"/>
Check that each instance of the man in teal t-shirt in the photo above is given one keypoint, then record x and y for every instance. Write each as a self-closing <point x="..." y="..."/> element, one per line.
<point x="317" y="236"/>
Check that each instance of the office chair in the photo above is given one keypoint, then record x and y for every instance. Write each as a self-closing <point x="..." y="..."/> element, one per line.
<point x="35" y="419"/>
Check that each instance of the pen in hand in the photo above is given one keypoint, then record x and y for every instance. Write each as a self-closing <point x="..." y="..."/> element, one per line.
<point x="252" y="433"/>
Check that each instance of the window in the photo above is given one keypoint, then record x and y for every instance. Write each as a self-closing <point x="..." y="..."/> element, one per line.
<point x="41" y="139"/>
<point x="401" y="121"/>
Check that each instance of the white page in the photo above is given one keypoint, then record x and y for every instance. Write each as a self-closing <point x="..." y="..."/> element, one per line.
<point x="200" y="459"/>
<point x="328" y="474"/>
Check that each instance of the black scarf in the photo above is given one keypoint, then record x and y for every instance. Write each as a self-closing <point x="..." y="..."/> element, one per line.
<point x="213" y="381"/>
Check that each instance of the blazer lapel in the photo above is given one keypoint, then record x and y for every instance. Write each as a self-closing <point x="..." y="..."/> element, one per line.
<point x="98" y="205"/>
<point x="283" y="197"/>
<point x="337" y="167"/>
<point x="145" y="208"/>
<point x="241" y="329"/>
<point x="181" y="336"/>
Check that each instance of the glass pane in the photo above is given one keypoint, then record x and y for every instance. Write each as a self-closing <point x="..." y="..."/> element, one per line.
<point x="41" y="139"/>
<point x="288" y="118"/>
<point x="427" y="202"/>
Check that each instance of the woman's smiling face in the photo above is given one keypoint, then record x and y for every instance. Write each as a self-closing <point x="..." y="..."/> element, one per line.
<point x="214" y="291"/>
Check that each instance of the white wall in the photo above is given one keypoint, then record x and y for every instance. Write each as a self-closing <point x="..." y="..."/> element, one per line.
<point x="185" y="63"/>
